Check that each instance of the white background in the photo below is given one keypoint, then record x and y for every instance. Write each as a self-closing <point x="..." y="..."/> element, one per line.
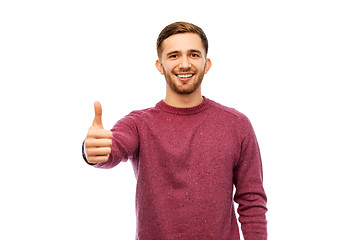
<point x="291" y="66"/>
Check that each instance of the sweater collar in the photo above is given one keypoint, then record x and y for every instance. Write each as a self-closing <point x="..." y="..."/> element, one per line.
<point x="183" y="111"/>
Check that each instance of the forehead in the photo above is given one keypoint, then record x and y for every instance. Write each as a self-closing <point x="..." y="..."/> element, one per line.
<point x="182" y="42"/>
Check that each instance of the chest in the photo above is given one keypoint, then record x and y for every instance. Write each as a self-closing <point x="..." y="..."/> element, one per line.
<point x="189" y="144"/>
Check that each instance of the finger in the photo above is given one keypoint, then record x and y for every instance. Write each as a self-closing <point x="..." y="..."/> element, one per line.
<point x="97" y="159"/>
<point x="98" y="151"/>
<point x="93" y="142"/>
<point x="99" y="133"/>
<point x="98" y="114"/>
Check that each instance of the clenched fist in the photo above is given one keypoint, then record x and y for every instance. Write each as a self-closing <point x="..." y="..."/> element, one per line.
<point x="98" y="140"/>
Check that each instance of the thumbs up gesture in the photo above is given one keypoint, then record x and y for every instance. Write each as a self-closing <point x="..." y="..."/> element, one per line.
<point x="98" y="140"/>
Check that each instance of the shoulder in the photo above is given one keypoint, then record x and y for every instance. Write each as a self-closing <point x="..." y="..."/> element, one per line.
<point x="235" y="119"/>
<point x="141" y="115"/>
<point x="137" y="117"/>
<point x="228" y="112"/>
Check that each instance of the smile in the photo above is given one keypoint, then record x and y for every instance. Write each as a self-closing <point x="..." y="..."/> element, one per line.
<point x="185" y="77"/>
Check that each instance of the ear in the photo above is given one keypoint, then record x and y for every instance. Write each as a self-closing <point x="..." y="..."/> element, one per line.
<point x="207" y="65"/>
<point x="159" y="66"/>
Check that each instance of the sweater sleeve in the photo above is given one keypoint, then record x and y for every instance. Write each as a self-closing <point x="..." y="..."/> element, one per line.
<point x="248" y="180"/>
<point x="125" y="142"/>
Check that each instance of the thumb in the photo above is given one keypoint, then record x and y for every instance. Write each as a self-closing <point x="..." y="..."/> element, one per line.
<point x="98" y="112"/>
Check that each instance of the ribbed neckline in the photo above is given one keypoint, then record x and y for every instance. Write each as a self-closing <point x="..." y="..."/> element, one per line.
<point x="184" y="111"/>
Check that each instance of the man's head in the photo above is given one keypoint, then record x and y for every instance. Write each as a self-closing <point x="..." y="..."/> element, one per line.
<point x="182" y="49"/>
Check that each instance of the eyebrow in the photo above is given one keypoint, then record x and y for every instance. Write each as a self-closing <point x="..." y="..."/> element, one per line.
<point x="195" y="51"/>
<point x="172" y="52"/>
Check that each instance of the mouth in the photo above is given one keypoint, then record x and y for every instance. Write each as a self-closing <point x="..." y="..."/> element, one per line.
<point x="185" y="76"/>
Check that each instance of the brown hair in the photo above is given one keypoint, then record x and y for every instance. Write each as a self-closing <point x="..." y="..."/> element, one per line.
<point x="180" y="27"/>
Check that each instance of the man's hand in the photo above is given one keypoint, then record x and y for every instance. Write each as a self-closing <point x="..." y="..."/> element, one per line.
<point x="98" y="140"/>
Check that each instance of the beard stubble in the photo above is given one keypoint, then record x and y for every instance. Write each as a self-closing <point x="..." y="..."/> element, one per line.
<point x="186" y="87"/>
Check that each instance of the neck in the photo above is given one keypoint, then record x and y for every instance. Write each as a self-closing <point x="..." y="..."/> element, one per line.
<point x="183" y="100"/>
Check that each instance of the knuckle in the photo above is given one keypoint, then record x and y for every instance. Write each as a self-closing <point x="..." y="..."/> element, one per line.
<point x="90" y="151"/>
<point x="88" y="142"/>
<point x="97" y="159"/>
<point x="91" y="160"/>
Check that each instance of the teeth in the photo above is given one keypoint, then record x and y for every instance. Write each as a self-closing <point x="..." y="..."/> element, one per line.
<point x="185" y="75"/>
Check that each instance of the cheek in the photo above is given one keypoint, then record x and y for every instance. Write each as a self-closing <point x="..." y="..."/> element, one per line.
<point x="168" y="67"/>
<point x="200" y="66"/>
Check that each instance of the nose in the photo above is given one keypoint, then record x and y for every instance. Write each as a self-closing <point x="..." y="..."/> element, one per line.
<point x="185" y="63"/>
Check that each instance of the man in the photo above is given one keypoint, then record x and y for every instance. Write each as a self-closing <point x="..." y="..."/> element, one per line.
<point x="188" y="152"/>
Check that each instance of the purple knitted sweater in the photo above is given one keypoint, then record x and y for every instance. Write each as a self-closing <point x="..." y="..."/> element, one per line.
<point x="186" y="162"/>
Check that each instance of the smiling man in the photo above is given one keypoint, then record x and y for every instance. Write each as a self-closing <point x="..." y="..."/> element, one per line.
<point x="188" y="153"/>
<point x="182" y="59"/>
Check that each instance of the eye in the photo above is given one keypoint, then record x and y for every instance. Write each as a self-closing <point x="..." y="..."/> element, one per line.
<point x="195" y="55"/>
<point x="173" y="56"/>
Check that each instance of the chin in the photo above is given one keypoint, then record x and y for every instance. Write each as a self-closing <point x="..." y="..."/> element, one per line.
<point x="183" y="88"/>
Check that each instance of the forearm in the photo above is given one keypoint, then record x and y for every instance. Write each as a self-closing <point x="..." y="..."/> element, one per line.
<point x="250" y="193"/>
